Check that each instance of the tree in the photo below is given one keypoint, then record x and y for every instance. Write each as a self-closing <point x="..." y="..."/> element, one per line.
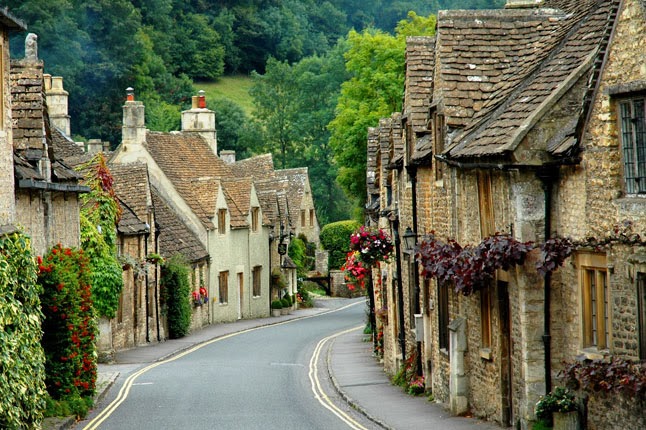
<point x="231" y="122"/>
<point x="376" y="61"/>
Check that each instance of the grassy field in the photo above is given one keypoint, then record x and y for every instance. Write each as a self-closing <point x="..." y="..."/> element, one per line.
<point x="234" y="88"/>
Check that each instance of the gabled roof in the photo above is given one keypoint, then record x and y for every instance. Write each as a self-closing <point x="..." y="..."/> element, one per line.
<point x="189" y="163"/>
<point x="132" y="186"/>
<point x="272" y="194"/>
<point x="130" y="223"/>
<point x="175" y="237"/>
<point x="297" y="183"/>
<point x="501" y="125"/>
<point x="238" y="195"/>
<point x="258" y="167"/>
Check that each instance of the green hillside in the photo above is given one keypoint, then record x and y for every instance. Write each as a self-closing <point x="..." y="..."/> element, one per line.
<point x="234" y="88"/>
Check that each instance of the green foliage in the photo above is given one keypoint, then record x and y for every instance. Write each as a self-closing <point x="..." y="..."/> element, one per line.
<point x="69" y="328"/>
<point x="232" y="124"/>
<point x="22" y="361"/>
<point x="559" y="400"/>
<point x="277" y="304"/>
<point x="335" y="238"/>
<point x="175" y="285"/>
<point x="72" y="406"/>
<point x="100" y="213"/>
<point x="375" y="60"/>
<point x="285" y="303"/>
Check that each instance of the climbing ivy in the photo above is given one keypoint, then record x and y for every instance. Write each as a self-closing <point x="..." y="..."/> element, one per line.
<point x="100" y="213"/>
<point x="176" y="290"/>
<point x="22" y="362"/>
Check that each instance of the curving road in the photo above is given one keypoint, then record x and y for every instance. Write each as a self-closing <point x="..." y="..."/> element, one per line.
<point x="273" y="377"/>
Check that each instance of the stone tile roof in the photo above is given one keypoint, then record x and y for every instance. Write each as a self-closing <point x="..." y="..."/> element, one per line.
<point x="420" y="63"/>
<point x="497" y="128"/>
<point x="28" y="108"/>
<point x="272" y="194"/>
<point x="371" y="162"/>
<point x="189" y="163"/>
<point x="483" y="55"/>
<point x="175" y="237"/>
<point x="130" y="223"/>
<point x="64" y="147"/>
<point x="8" y="20"/>
<point x="258" y="167"/>
<point x="297" y="180"/>
<point x="238" y="195"/>
<point x="132" y="186"/>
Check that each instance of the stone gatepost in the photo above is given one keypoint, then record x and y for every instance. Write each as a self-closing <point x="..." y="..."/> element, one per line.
<point x="458" y="381"/>
<point x="104" y="342"/>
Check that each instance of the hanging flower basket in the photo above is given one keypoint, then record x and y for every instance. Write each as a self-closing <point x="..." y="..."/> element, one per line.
<point x="200" y="297"/>
<point x="373" y="246"/>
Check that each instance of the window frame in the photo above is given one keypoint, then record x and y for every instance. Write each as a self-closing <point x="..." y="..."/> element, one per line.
<point x="640" y="279"/>
<point x="255" y="212"/>
<point x="443" y="319"/>
<point x="256" y="277"/>
<point x="223" y="287"/>
<point x="594" y="282"/>
<point x="633" y="155"/>
<point x="302" y="217"/>
<point x="222" y="221"/>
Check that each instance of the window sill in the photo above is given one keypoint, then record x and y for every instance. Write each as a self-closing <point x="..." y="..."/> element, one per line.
<point x="593" y="353"/>
<point x="485" y="354"/>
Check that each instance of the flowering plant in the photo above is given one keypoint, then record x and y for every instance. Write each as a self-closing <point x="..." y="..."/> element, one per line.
<point x="416" y="386"/>
<point x="559" y="400"/>
<point x="355" y="271"/>
<point x="373" y="246"/>
<point x="200" y="297"/>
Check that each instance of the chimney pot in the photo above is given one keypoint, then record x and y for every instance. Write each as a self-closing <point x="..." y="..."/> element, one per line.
<point x="130" y="94"/>
<point x="201" y="99"/>
<point x="48" y="81"/>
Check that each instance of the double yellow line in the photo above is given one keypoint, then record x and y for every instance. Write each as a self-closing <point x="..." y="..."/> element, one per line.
<point x="127" y="385"/>
<point x="319" y="394"/>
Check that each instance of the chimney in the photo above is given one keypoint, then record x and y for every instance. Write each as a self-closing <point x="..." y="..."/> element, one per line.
<point x="520" y="4"/>
<point x="201" y="120"/>
<point x="57" y="99"/>
<point x="228" y="156"/>
<point x="134" y="124"/>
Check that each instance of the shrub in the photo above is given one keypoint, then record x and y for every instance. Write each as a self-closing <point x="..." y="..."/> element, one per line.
<point x="22" y="379"/>
<point x="559" y="400"/>
<point x="276" y="304"/>
<point x="69" y="328"/>
<point x="285" y="303"/>
<point x="335" y="238"/>
<point x="177" y="292"/>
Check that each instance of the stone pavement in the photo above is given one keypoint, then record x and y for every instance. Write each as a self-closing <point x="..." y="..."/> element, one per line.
<point x="355" y="374"/>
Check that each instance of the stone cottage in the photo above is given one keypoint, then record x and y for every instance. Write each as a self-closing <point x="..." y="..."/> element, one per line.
<point x="523" y="121"/>
<point x="220" y="208"/>
<point x="46" y="189"/>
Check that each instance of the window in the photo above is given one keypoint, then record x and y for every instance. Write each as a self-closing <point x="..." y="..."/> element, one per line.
<point x="633" y="141"/>
<point x="302" y="217"/>
<point x="485" y="203"/>
<point x="641" y="309"/>
<point x="438" y="141"/>
<point x="223" y="280"/>
<point x="443" y="316"/>
<point x="485" y="317"/>
<point x="222" y="221"/>
<point x="311" y="217"/>
<point x="594" y="301"/>
<point x="256" y="275"/>
<point x="254" y="219"/>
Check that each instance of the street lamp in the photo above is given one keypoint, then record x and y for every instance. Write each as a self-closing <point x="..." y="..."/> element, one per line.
<point x="410" y="240"/>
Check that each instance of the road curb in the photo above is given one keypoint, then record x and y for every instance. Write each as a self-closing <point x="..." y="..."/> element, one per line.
<point x="344" y="395"/>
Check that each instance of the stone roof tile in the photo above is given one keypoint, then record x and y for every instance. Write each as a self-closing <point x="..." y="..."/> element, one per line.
<point x="175" y="237"/>
<point x="132" y="186"/>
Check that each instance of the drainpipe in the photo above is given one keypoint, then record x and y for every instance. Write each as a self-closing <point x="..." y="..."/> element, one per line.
<point x="400" y="293"/>
<point x="157" y="284"/>
<point x="146" y="236"/>
<point x="271" y="239"/>
<point x="412" y="171"/>
<point x="547" y="176"/>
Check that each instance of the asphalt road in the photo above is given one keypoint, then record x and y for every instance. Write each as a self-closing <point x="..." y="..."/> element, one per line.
<point x="264" y="378"/>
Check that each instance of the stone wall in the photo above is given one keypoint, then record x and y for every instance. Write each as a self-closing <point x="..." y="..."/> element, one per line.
<point x="339" y="288"/>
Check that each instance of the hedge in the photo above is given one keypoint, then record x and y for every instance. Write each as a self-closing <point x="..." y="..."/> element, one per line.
<point x="335" y="238"/>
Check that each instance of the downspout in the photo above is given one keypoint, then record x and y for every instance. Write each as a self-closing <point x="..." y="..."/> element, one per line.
<point x="157" y="284"/>
<point x="271" y="239"/>
<point x="547" y="177"/>
<point x="400" y="293"/>
<point x="412" y="171"/>
<point x="146" y="236"/>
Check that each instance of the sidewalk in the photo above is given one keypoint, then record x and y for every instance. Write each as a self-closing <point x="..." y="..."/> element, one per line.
<point x="355" y="373"/>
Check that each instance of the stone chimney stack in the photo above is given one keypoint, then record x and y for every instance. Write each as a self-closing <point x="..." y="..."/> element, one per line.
<point x="57" y="99"/>
<point x="228" y="156"/>
<point x="518" y="4"/>
<point x="94" y="146"/>
<point x="134" y="124"/>
<point x="201" y="120"/>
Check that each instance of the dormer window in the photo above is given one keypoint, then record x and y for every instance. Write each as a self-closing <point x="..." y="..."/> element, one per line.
<point x="633" y="143"/>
